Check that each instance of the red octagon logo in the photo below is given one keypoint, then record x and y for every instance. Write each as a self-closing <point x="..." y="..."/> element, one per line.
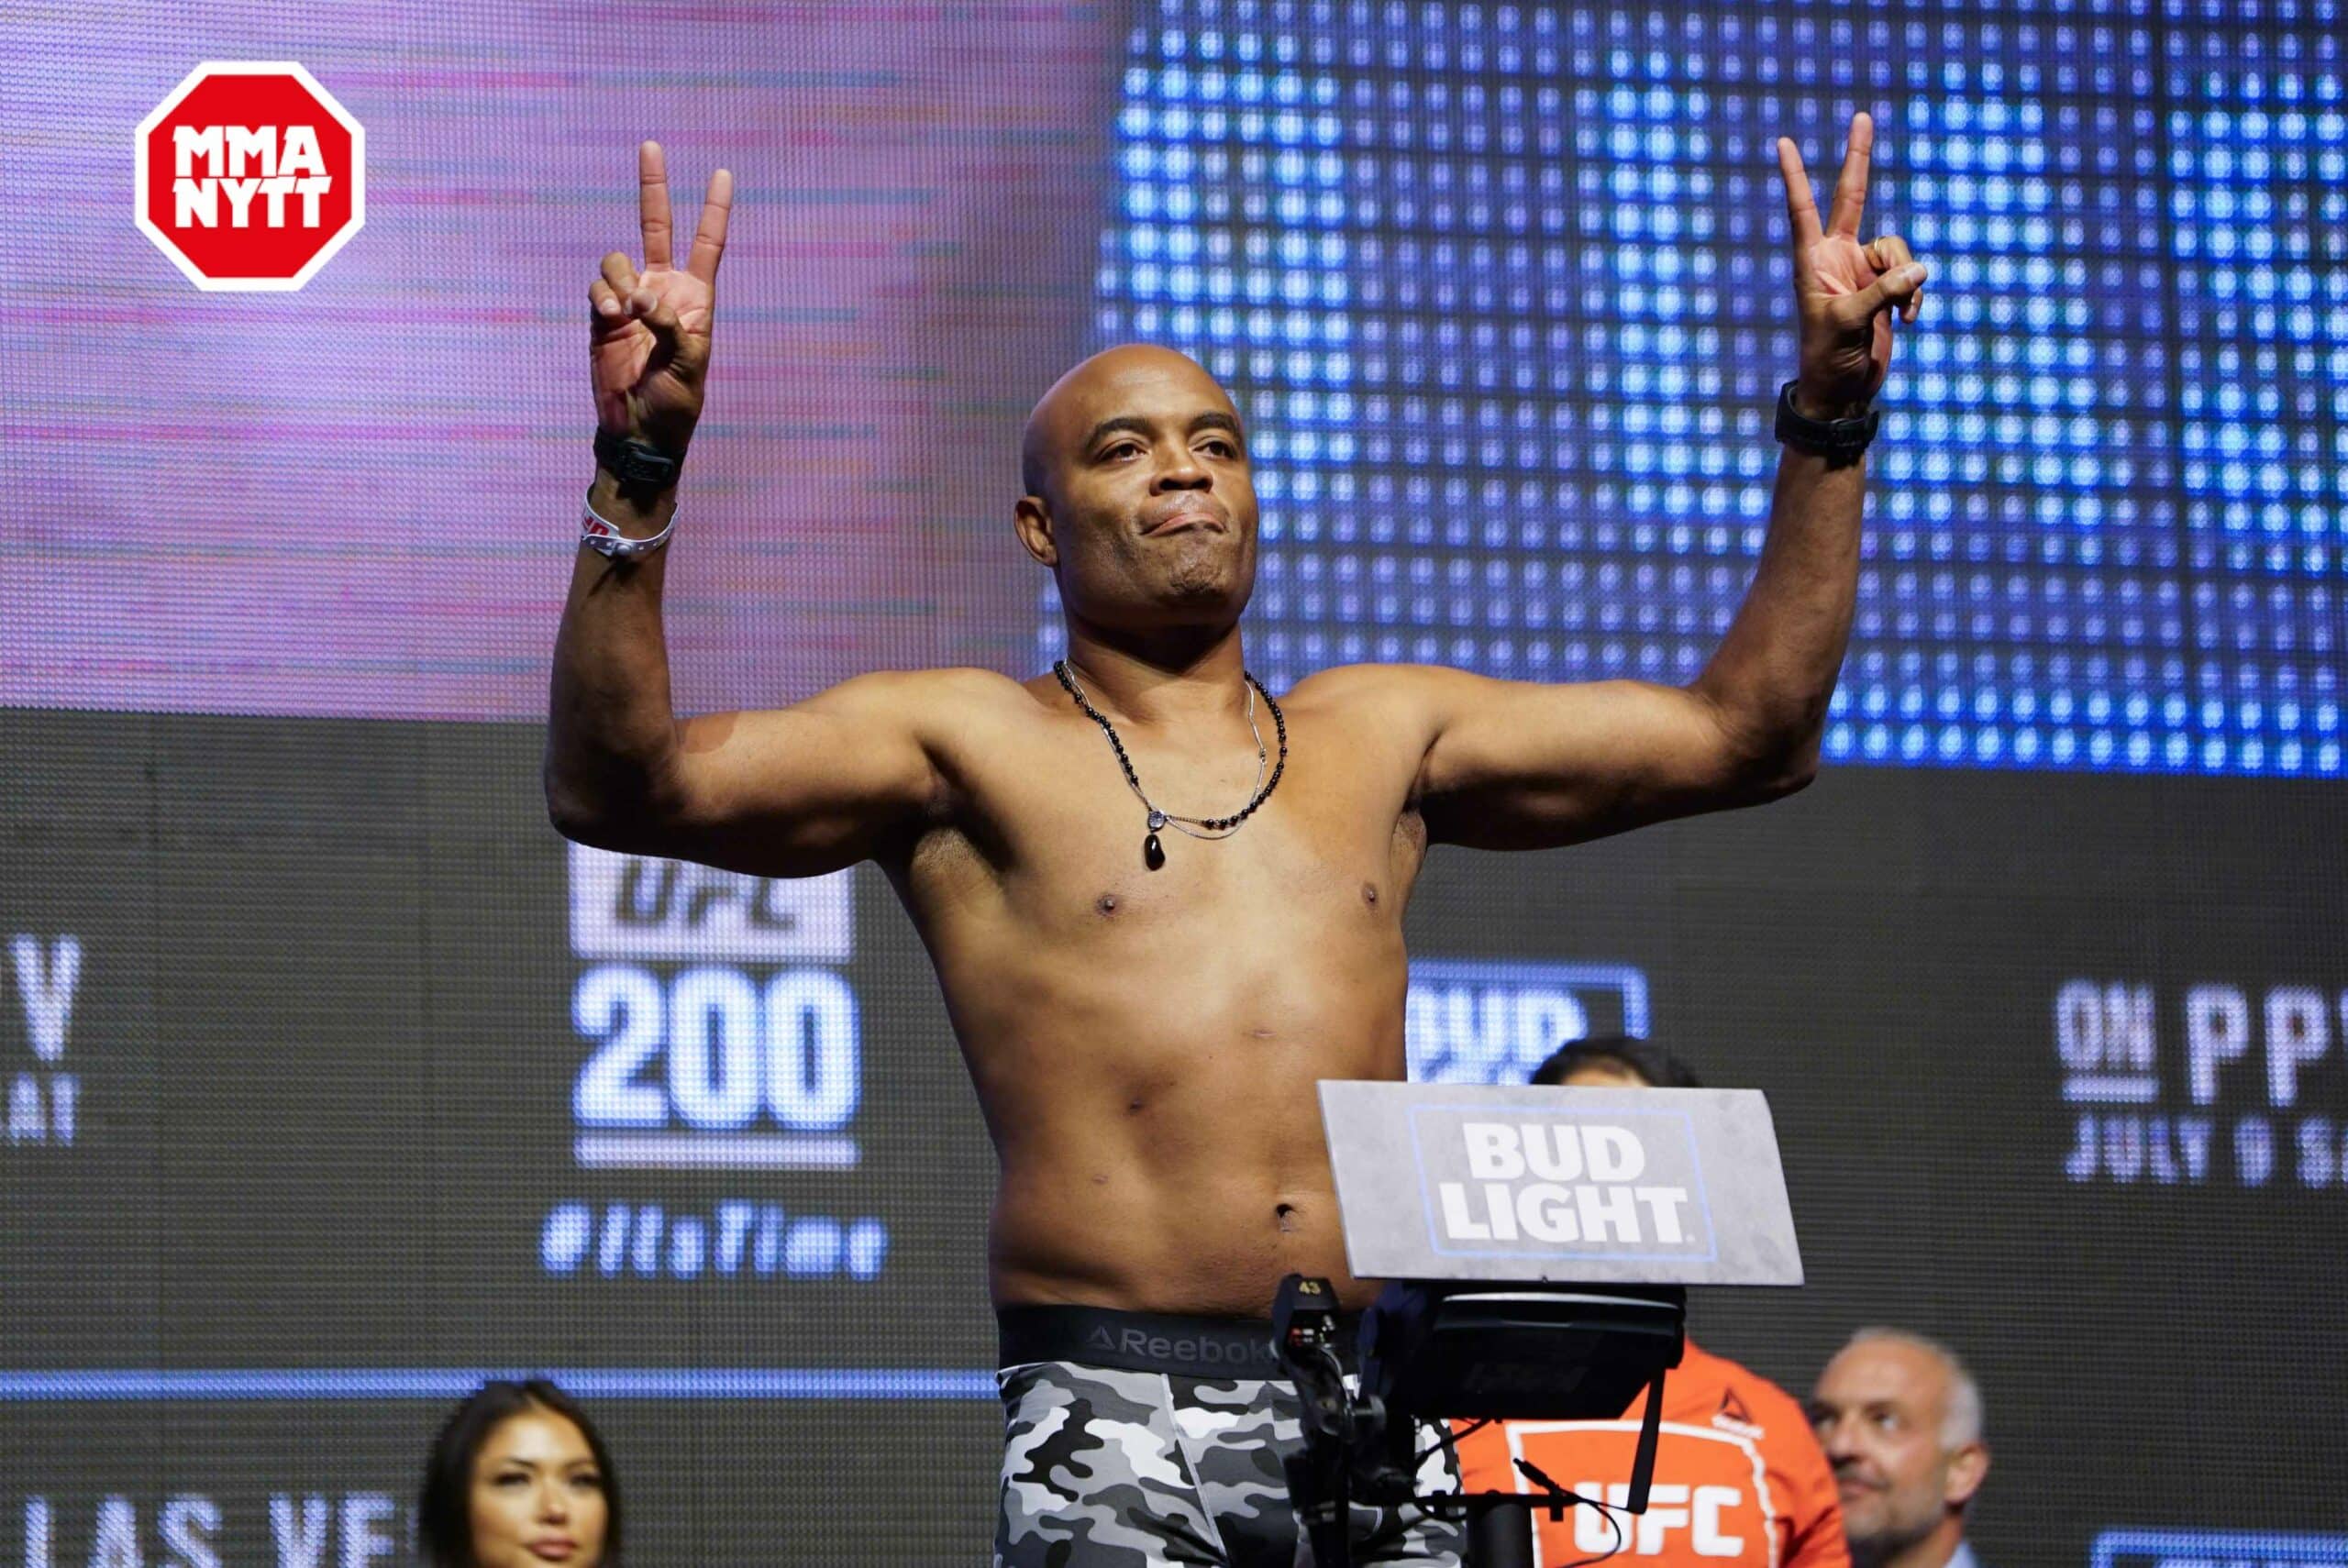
<point x="250" y="175"/>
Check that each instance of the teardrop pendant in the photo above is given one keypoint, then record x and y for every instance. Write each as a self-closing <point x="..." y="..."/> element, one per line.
<point x="1153" y="853"/>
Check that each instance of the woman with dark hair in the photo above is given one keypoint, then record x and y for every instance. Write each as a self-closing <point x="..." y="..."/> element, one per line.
<point x="519" y="1478"/>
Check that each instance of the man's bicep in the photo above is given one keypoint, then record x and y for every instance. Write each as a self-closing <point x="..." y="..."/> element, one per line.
<point x="801" y="791"/>
<point x="1515" y="765"/>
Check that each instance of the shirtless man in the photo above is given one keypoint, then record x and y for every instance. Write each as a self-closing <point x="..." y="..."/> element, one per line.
<point x="1145" y="1011"/>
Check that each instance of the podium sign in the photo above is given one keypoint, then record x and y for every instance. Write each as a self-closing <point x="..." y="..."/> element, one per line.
<point x="1523" y="1184"/>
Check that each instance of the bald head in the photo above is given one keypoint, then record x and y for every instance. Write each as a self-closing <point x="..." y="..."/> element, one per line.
<point x="1093" y="390"/>
<point x="1138" y="495"/>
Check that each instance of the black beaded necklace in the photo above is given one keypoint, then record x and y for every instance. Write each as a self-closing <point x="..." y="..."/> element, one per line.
<point x="1153" y="853"/>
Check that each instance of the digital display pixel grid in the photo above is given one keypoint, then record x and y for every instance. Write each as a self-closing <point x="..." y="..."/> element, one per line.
<point x="1504" y="291"/>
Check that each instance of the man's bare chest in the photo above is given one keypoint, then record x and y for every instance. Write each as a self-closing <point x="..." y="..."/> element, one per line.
<point x="1061" y="830"/>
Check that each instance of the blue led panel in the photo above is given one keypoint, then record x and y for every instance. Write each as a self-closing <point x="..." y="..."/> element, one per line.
<point x="1503" y="291"/>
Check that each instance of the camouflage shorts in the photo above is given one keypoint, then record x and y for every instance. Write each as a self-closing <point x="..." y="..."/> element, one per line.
<point x="1106" y="1468"/>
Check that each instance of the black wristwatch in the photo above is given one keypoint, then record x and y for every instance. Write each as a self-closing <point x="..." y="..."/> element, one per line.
<point x="638" y="465"/>
<point x="1839" y="441"/>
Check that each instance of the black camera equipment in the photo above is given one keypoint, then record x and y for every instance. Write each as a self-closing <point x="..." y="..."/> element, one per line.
<point x="1435" y="1351"/>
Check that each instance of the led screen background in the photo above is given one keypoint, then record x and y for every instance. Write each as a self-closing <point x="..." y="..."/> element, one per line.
<point x="342" y="501"/>
<point x="334" y="1078"/>
<point x="1505" y="287"/>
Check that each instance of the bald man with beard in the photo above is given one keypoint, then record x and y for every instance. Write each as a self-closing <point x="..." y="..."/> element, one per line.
<point x="1163" y="902"/>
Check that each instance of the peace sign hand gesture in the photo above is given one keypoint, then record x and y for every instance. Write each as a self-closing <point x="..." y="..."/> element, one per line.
<point x="1845" y="291"/>
<point x="648" y="348"/>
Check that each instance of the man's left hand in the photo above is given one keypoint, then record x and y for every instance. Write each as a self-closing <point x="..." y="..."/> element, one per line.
<point x="1846" y="291"/>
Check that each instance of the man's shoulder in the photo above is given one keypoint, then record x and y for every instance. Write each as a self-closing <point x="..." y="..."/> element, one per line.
<point x="1736" y="1398"/>
<point x="1355" y="680"/>
<point x="1385" y="690"/>
<point x="944" y="690"/>
<point x="952" y="679"/>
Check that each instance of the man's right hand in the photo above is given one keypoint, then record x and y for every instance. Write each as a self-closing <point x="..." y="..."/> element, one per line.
<point x="649" y="347"/>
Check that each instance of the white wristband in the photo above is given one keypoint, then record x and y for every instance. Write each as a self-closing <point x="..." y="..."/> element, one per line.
<point x="603" y="536"/>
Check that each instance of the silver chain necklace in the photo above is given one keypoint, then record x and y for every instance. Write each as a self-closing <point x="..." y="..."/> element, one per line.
<point x="1153" y="853"/>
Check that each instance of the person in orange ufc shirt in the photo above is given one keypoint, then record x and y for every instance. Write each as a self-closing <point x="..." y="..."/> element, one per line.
<point x="1739" y="1477"/>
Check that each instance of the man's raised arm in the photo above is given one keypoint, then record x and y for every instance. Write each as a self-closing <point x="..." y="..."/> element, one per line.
<point x="1513" y="764"/>
<point x="795" y="792"/>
